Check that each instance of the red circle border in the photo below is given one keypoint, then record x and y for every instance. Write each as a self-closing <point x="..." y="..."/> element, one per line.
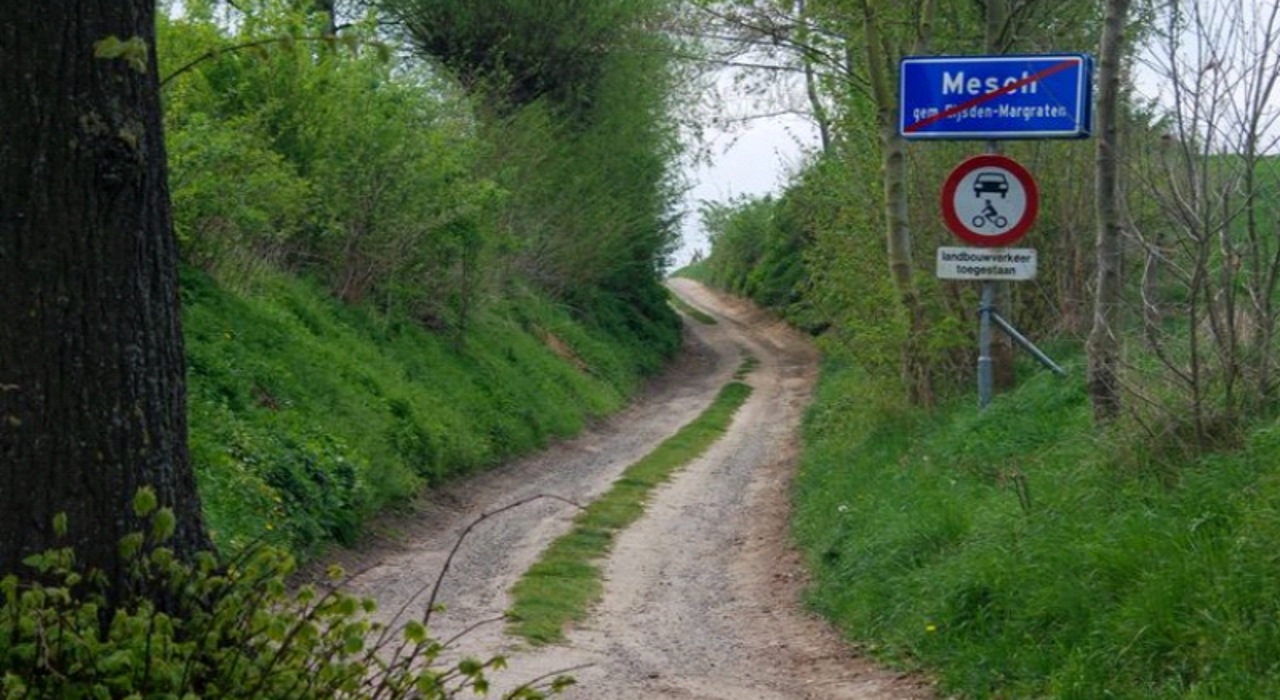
<point x="990" y="160"/>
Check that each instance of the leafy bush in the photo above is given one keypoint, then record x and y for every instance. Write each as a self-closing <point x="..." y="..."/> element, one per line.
<point x="236" y="203"/>
<point x="214" y="630"/>
<point x="324" y="157"/>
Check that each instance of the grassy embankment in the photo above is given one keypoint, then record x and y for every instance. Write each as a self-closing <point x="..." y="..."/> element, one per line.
<point x="1019" y="553"/>
<point x="306" y="416"/>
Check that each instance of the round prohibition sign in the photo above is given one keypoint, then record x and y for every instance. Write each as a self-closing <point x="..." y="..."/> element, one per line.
<point x="990" y="200"/>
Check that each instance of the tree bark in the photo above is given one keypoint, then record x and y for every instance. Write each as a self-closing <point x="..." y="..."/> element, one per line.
<point x="330" y="10"/>
<point x="92" y="387"/>
<point x="1104" y="340"/>
<point x="821" y="118"/>
<point x="880" y="68"/>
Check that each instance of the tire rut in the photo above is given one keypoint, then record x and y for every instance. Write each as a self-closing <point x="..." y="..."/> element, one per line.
<point x="702" y="594"/>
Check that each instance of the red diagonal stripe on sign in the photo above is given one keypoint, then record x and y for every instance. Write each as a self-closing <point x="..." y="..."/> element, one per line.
<point x="1055" y="68"/>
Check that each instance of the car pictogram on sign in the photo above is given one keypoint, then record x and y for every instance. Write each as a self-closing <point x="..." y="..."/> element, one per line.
<point x="991" y="182"/>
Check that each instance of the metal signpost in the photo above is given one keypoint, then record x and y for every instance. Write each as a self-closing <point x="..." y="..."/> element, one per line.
<point x="990" y="201"/>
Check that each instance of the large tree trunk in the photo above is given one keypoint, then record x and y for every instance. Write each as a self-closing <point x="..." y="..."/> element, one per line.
<point x="1104" y="340"/>
<point x="92" y="391"/>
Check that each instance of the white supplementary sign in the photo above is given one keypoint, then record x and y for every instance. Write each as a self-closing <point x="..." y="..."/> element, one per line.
<point x="1015" y="264"/>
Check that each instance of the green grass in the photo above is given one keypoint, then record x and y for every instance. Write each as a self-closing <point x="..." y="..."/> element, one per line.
<point x="696" y="314"/>
<point x="566" y="580"/>
<point x="1018" y="552"/>
<point x="306" y="415"/>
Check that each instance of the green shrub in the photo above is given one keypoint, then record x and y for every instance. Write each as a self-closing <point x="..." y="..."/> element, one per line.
<point x="215" y="630"/>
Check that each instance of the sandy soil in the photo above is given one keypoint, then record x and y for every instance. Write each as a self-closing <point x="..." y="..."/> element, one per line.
<point x="701" y="595"/>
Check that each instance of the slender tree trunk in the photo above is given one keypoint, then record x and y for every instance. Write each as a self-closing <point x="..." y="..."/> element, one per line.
<point x="924" y="27"/>
<point x="819" y="110"/>
<point x="1104" y="340"/>
<point x="880" y="69"/>
<point x="92" y="392"/>
<point x="330" y="10"/>
<point x="820" y="116"/>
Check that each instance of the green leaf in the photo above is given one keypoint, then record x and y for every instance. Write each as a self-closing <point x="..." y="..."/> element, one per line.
<point x="130" y="544"/>
<point x="306" y="594"/>
<point x="415" y="632"/>
<point x="116" y="662"/>
<point x="133" y="51"/>
<point x="163" y="524"/>
<point x="39" y="562"/>
<point x="144" y="501"/>
<point x="111" y="47"/>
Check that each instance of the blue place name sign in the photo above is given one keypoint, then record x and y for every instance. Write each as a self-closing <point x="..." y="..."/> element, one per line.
<point x="995" y="97"/>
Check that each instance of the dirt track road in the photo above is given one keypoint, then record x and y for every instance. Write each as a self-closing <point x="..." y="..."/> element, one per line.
<point x="701" y="595"/>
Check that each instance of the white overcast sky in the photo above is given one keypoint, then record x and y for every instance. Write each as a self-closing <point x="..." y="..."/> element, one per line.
<point x="753" y="160"/>
<point x="753" y="157"/>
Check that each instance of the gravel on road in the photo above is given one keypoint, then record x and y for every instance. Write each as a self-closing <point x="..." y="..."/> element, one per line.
<point x="702" y="594"/>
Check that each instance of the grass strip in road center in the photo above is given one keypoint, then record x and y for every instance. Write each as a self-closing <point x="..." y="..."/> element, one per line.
<point x="697" y="314"/>
<point x="567" y="579"/>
